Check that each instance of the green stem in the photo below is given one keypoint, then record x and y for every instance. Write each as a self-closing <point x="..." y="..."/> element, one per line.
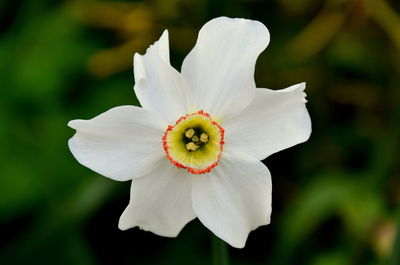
<point x="395" y="258"/>
<point x="219" y="251"/>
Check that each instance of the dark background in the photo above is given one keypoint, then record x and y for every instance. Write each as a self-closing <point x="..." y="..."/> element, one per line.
<point x="335" y="197"/>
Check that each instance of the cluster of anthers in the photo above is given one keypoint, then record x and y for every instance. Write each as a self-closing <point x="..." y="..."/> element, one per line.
<point x="194" y="138"/>
<point x="194" y="142"/>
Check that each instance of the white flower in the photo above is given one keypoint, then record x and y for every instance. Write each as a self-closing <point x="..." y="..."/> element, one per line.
<point x="194" y="148"/>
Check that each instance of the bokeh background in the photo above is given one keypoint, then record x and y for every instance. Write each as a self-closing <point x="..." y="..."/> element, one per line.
<point x="335" y="198"/>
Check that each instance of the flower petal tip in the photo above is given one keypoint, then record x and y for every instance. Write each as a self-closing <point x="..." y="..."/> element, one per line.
<point x="123" y="222"/>
<point x="161" y="47"/>
<point x="74" y="124"/>
<point x="238" y="244"/>
<point x="260" y="28"/>
<point x="299" y="88"/>
<point x="122" y="227"/>
<point x="302" y="87"/>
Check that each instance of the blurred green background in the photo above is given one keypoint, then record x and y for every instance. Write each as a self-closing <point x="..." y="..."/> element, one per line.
<point x="335" y="198"/>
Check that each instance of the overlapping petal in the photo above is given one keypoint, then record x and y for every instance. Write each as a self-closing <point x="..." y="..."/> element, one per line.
<point x="160" y="201"/>
<point x="121" y="144"/>
<point x="234" y="198"/>
<point x="158" y="86"/>
<point x="275" y="120"/>
<point x="220" y="68"/>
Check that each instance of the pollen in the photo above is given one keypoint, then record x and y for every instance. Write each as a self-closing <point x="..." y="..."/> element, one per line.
<point x="192" y="146"/>
<point x="204" y="138"/>
<point x="189" y="133"/>
<point x="195" y="142"/>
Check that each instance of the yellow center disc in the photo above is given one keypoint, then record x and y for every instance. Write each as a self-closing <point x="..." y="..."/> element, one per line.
<point x="195" y="142"/>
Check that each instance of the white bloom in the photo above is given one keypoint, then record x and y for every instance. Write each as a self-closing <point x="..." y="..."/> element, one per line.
<point x="194" y="148"/>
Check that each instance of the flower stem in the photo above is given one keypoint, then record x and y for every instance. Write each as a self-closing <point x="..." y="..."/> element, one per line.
<point x="395" y="258"/>
<point x="219" y="251"/>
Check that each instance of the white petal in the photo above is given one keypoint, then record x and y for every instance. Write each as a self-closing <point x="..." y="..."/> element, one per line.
<point x="160" y="201"/>
<point x="220" y="68"/>
<point x="158" y="86"/>
<point x="275" y="120"/>
<point x="234" y="198"/>
<point x="121" y="143"/>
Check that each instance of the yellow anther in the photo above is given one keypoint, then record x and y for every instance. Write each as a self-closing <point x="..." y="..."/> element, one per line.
<point x="204" y="137"/>
<point x="189" y="133"/>
<point x="195" y="138"/>
<point x="192" y="146"/>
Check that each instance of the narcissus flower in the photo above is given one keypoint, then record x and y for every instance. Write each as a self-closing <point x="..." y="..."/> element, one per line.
<point x="194" y="147"/>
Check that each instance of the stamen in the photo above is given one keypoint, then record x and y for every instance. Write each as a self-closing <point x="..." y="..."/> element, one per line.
<point x="192" y="146"/>
<point x="204" y="137"/>
<point x="189" y="133"/>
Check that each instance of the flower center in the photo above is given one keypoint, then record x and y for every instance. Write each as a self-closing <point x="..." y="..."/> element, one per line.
<point x="194" y="142"/>
<point x="194" y="139"/>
